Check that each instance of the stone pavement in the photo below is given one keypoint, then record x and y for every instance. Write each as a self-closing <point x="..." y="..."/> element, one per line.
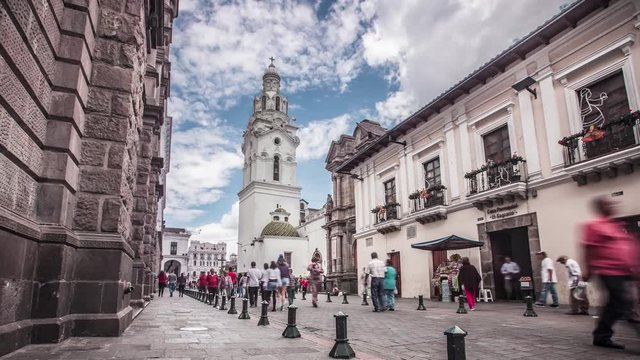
<point x="495" y="331"/>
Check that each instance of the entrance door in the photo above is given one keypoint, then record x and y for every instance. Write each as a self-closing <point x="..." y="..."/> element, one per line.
<point x="437" y="258"/>
<point x="513" y="243"/>
<point x="395" y="262"/>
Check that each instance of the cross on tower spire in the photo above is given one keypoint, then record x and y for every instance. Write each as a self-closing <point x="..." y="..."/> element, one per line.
<point x="272" y="60"/>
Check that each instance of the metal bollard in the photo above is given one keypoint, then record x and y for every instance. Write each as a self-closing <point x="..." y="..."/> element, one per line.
<point x="223" y="304"/>
<point x="344" y="298"/>
<point x="216" y="300"/>
<point x="455" y="343"/>
<point x="421" y="303"/>
<point x="364" y="300"/>
<point x="341" y="349"/>
<point x="264" y="319"/>
<point x="232" y="309"/>
<point x="244" y="314"/>
<point x="461" y="308"/>
<point x="329" y="297"/>
<point x="529" y="312"/>
<point x="291" y="331"/>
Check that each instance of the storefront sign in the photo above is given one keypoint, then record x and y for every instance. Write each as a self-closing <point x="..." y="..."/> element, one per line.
<point x="501" y="212"/>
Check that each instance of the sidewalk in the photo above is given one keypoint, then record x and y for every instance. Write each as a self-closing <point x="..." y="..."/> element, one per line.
<point x="496" y="331"/>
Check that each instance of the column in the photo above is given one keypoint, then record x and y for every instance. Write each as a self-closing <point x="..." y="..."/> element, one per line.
<point x="529" y="131"/>
<point x="465" y="145"/>
<point x="366" y="194"/>
<point x="452" y="162"/>
<point x="551" y="121"/>
<point x="410" y="168"/>
<point x="401" y="180"/>
<point x="372" y="192"/>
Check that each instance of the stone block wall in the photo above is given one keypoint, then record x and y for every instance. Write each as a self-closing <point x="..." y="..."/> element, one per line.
<point x="80" y="165"/>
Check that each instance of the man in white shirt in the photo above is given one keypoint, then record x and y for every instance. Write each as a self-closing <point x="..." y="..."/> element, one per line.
<point x="510" y="271"/>
<point x="376" y="270"/>
<point x="549" y="280"/>
<point x="578" y="307"/>
<point x="254" y="284"/>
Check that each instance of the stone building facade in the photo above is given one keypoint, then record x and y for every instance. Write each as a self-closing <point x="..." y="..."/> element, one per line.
<point x="175" y="250"/>
<point x="204" y="256"/>
<point x="83" y="147"/>
<point x="340" y="211"/>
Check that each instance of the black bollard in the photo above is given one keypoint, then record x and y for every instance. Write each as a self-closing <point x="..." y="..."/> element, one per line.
<point x="232" y="309"/>
<point x="223" y="303"/>
<point x="341" y="349"/>
<point x="461" y="308"/>
<point x="455" y="343"/>
<point x="529" y="312"/>
<point x="364" y="300"/>
<point x="344" y="298"/>
<point x="291" y="331"/>
<point x="329" y="297"/>
<point x="264" y="319"/>
<point x="421" y="303"/>
<point x="244" y="314"/>
<point x="216" y="300"/>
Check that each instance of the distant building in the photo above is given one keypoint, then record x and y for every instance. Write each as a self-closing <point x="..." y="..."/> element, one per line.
<point x="175" y="249"/>
<point x="204" y="256"/>
<point x="233" y="261"/>
<point x="312" y="229"/>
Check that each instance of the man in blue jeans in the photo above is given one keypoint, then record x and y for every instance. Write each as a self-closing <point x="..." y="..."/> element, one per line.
<point x="549" y="280"/>
<point x="377" y="270"/>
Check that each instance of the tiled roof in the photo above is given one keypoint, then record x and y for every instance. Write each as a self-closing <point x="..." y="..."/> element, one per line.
<point x="279" y="228"/>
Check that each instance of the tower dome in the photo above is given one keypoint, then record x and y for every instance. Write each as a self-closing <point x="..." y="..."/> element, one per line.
<point x="271" y="71"/>
<point x="279" y="228"/>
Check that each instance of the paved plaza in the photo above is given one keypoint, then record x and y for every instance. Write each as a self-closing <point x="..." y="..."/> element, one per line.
<point x="496" y="331"/>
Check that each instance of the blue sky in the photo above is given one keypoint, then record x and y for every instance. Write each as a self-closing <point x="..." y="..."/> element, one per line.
<point x="341" y="61"/>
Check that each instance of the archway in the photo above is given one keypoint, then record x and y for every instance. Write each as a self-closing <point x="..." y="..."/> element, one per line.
<point x="172" y="266"/>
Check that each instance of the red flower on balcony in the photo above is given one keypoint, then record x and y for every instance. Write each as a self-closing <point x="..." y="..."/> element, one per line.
<point x="593" y="134"/>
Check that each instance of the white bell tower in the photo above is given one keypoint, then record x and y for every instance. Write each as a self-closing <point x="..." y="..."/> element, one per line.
<point x="269" y="174"/>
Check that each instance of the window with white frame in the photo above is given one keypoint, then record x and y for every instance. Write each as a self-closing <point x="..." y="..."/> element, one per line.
<point x="432" y="174"/>
<point x="496" y="145"/>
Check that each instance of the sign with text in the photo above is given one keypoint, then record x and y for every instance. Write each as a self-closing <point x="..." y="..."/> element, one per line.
<point x="501" y="212"/>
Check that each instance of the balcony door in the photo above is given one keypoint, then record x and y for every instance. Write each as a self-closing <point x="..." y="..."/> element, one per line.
<point x="496" y="145"/>
<point x="601" y="103"/>
<point x="390" y="198"/>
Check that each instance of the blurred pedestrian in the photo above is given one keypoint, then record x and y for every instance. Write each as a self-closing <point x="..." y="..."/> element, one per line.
<point x="610" y="254"/>
<point x="162" y="283"/>
<point x="470" y="278"/>
<point x="172" y="280"/>
<point x="315" y="278"/>
<point x="202" y="282"/>
<point x="389" y="286"/>
<point x="242" y="285"/>
<point x="254" y="284"/>
<point x="212" y="284"/>
<point x="549" y="280"/>
<point x="233" y="286"/>
<point x="275" y="282"/>
<point x="264" y="282"/>
<point x="376" y="271"/>
<point x="304" y="285"/>
<point x="222" y="283"/>
<point x="182" y="283"/>
<point x="510" y="271"/>
<point x="283" y="266"/>
<point x="364" y="277"/>
<point x="574" y="276"/>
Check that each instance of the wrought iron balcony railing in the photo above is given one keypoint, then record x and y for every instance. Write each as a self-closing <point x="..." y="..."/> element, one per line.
<point x="386" y="212"/>
<point x="597" y="141"/>
<point x="495" y="175"/>
<point x="425" y="199"/>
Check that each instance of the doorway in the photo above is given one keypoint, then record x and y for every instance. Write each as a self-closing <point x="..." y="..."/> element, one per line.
<point x="513" y="243"/>
<point x="395" y="262"/>
<point x="172" y="266"/>
<point x="437" y="257"/>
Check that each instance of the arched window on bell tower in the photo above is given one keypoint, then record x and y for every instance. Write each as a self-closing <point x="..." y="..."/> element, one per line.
<point x="264" y="102"/>
<point x="278" y="103"/>
<point x="276" y="168"/>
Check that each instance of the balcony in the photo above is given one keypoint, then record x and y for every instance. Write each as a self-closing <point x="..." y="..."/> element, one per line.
<point x="429" y="205"/>
<point x="387" y="218"/>
<point x="494" y="183"/>
<point x="607" y="149"/>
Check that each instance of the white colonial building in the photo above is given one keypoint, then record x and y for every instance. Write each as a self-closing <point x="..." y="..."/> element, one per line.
<point x="175" y="247"/>
<point x="270" y="197"/>
<point x="204" y="256"/>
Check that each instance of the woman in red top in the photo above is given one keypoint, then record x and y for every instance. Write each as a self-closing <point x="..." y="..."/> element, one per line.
<point x="162" y="282"/>
<point x="212" y="284"/>
<point x="202" y="282"/>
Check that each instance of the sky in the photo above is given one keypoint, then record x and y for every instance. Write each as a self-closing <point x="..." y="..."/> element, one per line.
<point x="341" y="61"/>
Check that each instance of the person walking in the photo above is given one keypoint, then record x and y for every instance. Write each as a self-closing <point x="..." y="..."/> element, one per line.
<point x="376" y="270"/>
<point x="275" y="281"/>
<point x="283" y="266"/>
<point x="390" y="277"/>
<point x="264" y="282"/>
<point x="172" y="279"/>
<point x="611" y="255"/>
<point x="510" y="271"/>
<point x="222" y="283"/>
<point x="315" y="279"/>
<point x="231" y="289"/>
<point x="202" y="282"/>
<point x="182" y="283"/>
<point x="470" y="279"/>
<point x="365" y="281"/>
<point x="162" y="283"/>
<point x="549" y="280"/>
<point x="304" y="284"/>
<point x="233" y="286"/>
<point x="212" y="284"/>
<point x="574" y="276"/>
<point x="254" y="276"/>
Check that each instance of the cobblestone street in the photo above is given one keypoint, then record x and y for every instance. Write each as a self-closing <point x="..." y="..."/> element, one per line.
<point x="495" y="331"/>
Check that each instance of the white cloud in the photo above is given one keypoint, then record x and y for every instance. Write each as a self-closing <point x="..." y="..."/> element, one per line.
<point x="183" y="215"/>
<point x="225" y="230"/>
<point x="316" y="136"/>
<point x="202" y="162"/>
<point x="395" y="108"/>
